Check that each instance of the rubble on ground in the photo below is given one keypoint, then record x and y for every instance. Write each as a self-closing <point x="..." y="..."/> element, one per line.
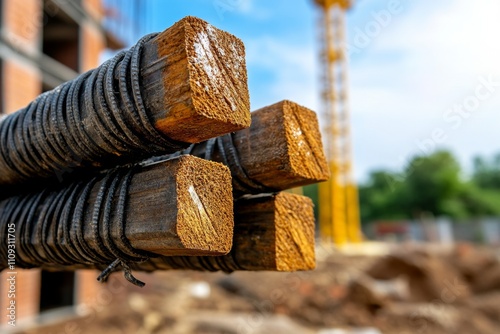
<point x="410" y="290"/>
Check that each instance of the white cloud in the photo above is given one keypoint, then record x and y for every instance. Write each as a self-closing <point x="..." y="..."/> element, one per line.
<point x="291" y="71"/>
<point x="426" y="61"/>
<point x="245" y="7"/>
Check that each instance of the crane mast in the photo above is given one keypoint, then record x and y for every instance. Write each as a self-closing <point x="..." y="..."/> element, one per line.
<point x="338" y="198"/>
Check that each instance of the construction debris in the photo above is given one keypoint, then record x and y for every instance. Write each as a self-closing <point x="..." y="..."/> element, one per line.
<point x="338" y="297"/>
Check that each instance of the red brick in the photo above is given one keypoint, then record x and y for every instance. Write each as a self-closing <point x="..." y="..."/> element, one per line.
<point x="23" y="21"/>
<point x="92" y="44"/>
<point x="22" y="84"/>
<point x="27" y="295"/>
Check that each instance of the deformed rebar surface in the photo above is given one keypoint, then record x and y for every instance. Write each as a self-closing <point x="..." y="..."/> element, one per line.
<point x="51" y="134"/>
<point x="49" y="226"/>
<point x="223" y="149"/>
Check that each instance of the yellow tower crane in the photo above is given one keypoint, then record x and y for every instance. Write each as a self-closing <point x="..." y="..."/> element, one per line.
<point x="338" y="198"/>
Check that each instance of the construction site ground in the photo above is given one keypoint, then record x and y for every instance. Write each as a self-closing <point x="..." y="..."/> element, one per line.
<point x="368" y="289"/>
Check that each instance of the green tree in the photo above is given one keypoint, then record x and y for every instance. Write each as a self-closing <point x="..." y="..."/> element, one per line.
<point x="381" y="197"/>
<point x="479" y="202"/>
<point x="486" y="174"/>
<point x="433" y="185"/>
<point x="311" y="191"/>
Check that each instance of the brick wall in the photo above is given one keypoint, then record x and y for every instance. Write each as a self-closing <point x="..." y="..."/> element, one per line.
<point x="94" y="8"/>
<point x="21" y="84"/>
<point x="92" y="43"/>
<point x="22" y="23"/>
<point x="27" y="291"/>
<point x="87" y="287"/>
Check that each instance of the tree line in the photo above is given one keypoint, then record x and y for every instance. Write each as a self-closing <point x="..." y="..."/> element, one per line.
<point x="431" y="185"/>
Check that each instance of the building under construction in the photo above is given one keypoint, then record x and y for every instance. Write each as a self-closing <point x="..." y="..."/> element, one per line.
<point x="44" y="43"/>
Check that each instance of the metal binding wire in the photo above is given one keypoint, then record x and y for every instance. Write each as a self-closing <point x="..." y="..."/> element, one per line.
<point x="224" y="150"/>
<point x="51" y="134"/>
<point x="49" y="227"/>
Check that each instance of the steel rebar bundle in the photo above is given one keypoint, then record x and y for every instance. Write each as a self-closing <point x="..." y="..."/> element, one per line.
<point x="145" y="101"/>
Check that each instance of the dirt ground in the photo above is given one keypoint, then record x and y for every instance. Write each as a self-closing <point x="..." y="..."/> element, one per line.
<point x="413" y="289"/>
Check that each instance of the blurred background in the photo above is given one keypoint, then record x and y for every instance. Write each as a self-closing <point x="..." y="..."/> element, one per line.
<point x="419" y="84"/>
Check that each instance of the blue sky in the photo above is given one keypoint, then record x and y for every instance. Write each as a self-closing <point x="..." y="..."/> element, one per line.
<point x="423" y="74"/>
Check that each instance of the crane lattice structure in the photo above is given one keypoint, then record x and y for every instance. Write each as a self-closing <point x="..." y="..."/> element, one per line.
<point x="338" y="197"/>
